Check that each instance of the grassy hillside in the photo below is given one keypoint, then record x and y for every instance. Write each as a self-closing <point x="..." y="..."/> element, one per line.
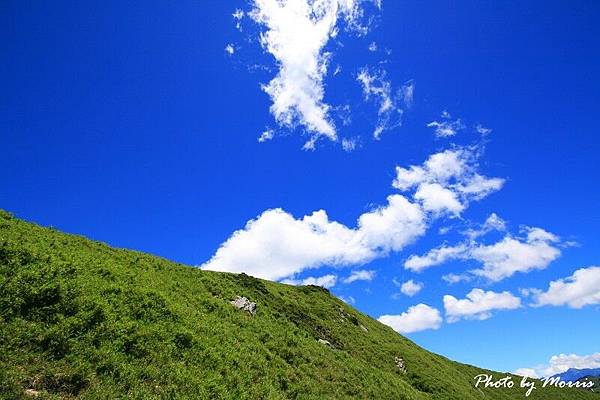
<point x="596" y="380"/>
<point x="79" y="319"/>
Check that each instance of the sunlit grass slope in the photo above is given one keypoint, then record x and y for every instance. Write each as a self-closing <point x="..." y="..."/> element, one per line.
<point x="79" y="319"/>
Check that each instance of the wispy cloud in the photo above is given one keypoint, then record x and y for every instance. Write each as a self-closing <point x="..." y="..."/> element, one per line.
<point x="407" y="91"/>
<point x="238" y="15"/>
<point x="349" y="144"/>
<point x="347" y="299"/>
<point x="377" y="87"/>
<point x="446" y="127"/>
<point x="535" y="250"/>
<point x="230" y="49"/>
<point x="482" y="130"/>
<point x="434" y="257"/>
<point x="453" y="278"/>
<point x="360" y="275"/>
<point x="267" y="135"/>
<point x="492" y="223"/>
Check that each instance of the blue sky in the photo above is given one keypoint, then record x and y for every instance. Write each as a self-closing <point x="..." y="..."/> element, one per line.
<point x="136" y="126"/>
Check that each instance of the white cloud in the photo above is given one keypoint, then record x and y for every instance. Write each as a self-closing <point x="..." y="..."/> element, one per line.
<point x="482" y="130"/>
<point x="349" y="144"/>
<point x="296" y="32"/>
<point x="238" y="15"/>
<point x="347" y="300"/>
<point x="576" y="291"/>
<point x="434" y="257"/>
<point x="500" y="260"/>
<point x="327" y="281"/>
<point x="343" y="112"/>
<point x="492" y="223"/>
<point x="360" y="275"/>
<point x="408" y="92"/>
<point x="437" y="198"/>
<point x="266" y="135"/>
<point x="447" y="181"/>
<point x="444" y="230"/>
<point x="416" y="318"/>
<point x="410" y="287"/>
<point x="275" y="245"/>
<point x="456" y="278"/>
<point x="446" y="127"/>
<point x="478" y="305"/>
<point x="561" y="363"/>
<point x="510" y="255"/>
<point x="528" y="372"/>
<point x="375" y="86"/>
<point x="230" y="49"/>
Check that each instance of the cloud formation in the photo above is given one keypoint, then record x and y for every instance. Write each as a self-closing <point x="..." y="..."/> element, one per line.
<point x="377" y="88"/>
<point x="326" y="281"/>
<point x="576" y="291"/>
<point x="447" y="181"/>
<point x="536" y="250"/>
<point x="434" y="257"/>
<point x="349" y="144"/>
<point x="417" y="318"/>
<point x="478" y="304"/>
<point x="295" y="34"/>
<point x="492" y="223"/>
<point x="275" y="245"/>
<point x="561" y="363"/>
<point x="360" y="275"/>
<point x="446" y="127"/>
<point x="268" y="134"/>
<point x="511" y="255"/>
<point x="411" y="288"/>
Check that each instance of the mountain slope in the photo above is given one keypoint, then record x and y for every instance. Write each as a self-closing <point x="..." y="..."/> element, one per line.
<point x="595" y="379"/>
<point x="573" y="374"/>
<point x="79" y="319"/>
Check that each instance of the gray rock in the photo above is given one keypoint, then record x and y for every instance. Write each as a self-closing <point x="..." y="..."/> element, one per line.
<point x="32" y="393"/>
<point x="400" y="364"/>
<point x="242" y="303"/>
<point x="325" y="342"/>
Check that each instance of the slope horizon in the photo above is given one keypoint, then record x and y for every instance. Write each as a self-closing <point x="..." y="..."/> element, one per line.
<point x="81" y="319"/>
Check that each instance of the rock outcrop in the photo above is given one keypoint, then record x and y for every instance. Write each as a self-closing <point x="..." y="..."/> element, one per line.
<point x="242" y="303"/>
<point x="399" y="361"/>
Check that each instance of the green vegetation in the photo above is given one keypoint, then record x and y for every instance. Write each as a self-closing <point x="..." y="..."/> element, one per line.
<point x="596" y="380"/>
<point x="79" y="319"/>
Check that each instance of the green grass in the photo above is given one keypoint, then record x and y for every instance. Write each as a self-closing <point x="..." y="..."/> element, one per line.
<point x="79" y="319"/>
<point x="596" y="380"/>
